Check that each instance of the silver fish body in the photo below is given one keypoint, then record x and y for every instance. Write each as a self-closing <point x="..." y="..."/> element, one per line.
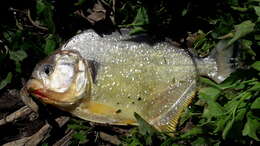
<point x="128" y="74"/>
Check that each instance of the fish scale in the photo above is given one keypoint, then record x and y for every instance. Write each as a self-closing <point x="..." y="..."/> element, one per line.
<point x="157" y="75"/>
<point x="122" y="75"/>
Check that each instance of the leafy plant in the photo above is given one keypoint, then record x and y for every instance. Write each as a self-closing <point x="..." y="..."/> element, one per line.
<point x="140" y="22"/>
<point x="6" y="81"/>
<point x="17" y="57"/>
<point x="80" y="131"/>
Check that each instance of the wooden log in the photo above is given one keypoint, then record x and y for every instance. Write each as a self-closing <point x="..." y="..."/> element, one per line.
<point x="39" y="136"/>
<point x="22" y="112"/>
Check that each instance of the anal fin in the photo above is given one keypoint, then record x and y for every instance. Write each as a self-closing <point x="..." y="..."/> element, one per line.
<point x="169" y="120"/>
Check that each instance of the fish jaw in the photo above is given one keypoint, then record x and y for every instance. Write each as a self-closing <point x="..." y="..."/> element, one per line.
<point x="34" y="84"/>
<point x="36" y="88"/>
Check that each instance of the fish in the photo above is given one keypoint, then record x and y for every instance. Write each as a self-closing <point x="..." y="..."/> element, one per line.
<point x="109" y="78"/>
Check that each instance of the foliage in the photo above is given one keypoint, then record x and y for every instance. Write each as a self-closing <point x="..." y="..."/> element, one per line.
<point x="221" y="113"/>
<point x="6" y="81"/>
<point x="80" y="131"/>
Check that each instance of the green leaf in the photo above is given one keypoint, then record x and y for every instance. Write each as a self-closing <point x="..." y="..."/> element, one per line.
<point x="137" y="30"/>
<point x="168" y="142"/>
<point x="185" y="116"/>
<point x="45" y="14"/>
<point x="184" y="12"/>
<point x="209" y="93"/>
<point x="242" y="30"/>
<point x="133" y="141"/>
<point x="256" y="104"/>
<point x="80" y="2"/>
<point x="44" y="144"/>
<point x="257" y="10"/>
<point x="227" y="128"/>
<point x="240" y="115"/>
<point x="220" y="123"/>
<point x="207" y="81"/>
<point x="18" y="67"/>
<point x="234" y="117"/>
<point x="251" y="127"/>
<point x="78" y="127"/>
<point x="213" y="109"/>
<point x="256" y="65"/>
<point x="234" y="126"/>
<point x="246" y="46"/>
<point x="230" y="82"/>
<point x="257" y="36"/>
<point x="50" y="45"/>
<point x="256" y="87"/>
<point x="40" y="6"/>
<point x="17" y="56"/>
<point x="202" y="44"/>
<point x="141" y="17"/>
<point x="140" y="21"/>
<point x="240" y="9"/>
<point x="193" y="132"/>
<point x="144" y="127"/>
<point x="6" y="81"/>
<point x="80" y="136"/>
<point x="199" y="141"/>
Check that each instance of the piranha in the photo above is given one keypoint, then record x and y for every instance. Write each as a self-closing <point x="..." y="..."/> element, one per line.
<point x="106" y="79"/>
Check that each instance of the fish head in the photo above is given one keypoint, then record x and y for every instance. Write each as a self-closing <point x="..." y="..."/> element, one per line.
<point x="61" y="79"/>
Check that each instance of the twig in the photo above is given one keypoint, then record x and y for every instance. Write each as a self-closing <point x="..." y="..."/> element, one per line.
<point x="64" y="141"/>
<point x="39" y="136"/>
<point x="34" y="23"/>
<point x="114" y="13"/>
<point x="27" y="100"/>
<point x="15" y="115"/>
<point x="109" y="138"/>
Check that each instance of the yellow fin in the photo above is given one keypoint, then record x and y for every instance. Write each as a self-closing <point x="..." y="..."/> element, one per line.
<point x="172" y="124"/>
<point x="98" y="108"/>
<point x="127" y="122"/>
<point x="101" y="113"/>
<point x="169" y="121"/>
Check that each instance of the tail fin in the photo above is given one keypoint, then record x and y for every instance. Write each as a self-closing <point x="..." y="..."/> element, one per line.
<point x="218" y="65"/>
<point x="223" y="56"/>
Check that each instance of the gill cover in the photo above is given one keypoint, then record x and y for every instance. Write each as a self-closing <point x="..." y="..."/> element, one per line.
<point x="61" y="79"/>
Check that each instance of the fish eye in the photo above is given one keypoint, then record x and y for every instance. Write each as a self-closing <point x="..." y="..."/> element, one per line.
<point x="47" y="69"/>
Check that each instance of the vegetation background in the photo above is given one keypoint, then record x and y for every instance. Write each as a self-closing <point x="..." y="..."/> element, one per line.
<point x="221" y="114"/>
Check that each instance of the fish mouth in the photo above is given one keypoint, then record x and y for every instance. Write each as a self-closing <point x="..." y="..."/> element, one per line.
<point x="42" y="95"/>
<point x="35" y="88"/>
<point x="38" y="93"/>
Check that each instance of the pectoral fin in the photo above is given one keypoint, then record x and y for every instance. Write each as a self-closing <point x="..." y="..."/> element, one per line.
<point x="101" y="109"/>
<point x="101" y="113"/>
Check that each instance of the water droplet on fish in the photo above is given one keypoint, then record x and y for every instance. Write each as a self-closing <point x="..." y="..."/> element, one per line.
<point x="113" y="84"/>
<point x="109" y="75"/>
